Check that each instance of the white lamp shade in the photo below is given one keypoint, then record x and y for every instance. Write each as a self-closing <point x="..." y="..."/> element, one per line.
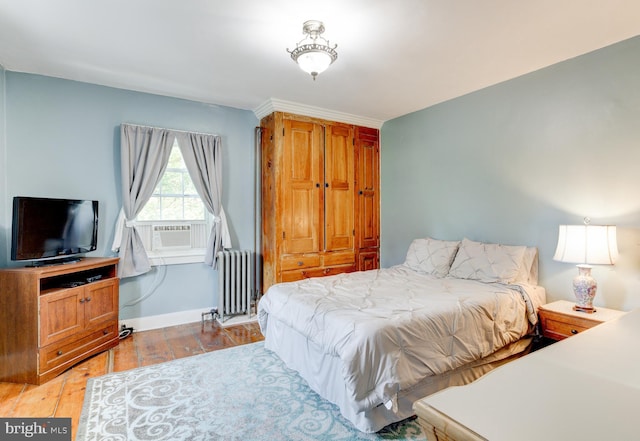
<point x="590" y="244"/>
<point x="314" y="62"/>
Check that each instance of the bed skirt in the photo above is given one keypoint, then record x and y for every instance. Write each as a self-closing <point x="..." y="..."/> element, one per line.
<point x="323" y="374"/>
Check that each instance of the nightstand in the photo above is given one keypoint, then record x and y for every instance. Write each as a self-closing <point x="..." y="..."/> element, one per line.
<point x="559" y="321"/>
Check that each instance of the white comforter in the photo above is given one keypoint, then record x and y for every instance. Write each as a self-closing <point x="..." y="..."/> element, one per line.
<point x="393" y="327"/>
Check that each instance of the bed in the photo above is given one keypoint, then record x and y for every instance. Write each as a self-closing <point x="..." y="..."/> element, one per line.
<point x="373" y="342"/>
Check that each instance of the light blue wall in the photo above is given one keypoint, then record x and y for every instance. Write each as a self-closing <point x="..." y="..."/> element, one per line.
<point x="504" y="164"/>
<point x="63" y="141"/>
<point x="511" y="162"/>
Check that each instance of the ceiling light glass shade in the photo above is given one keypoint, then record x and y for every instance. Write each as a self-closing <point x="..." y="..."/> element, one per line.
<point x="590" y="244"/>
<point x="313" y="53"/>
<point x="314" y="62"/>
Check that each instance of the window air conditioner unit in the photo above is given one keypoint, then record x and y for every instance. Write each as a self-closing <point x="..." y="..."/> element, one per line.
<point x="171" y="237"/>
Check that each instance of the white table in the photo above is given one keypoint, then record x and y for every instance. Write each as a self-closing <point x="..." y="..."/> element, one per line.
<point x="586" y="387"/>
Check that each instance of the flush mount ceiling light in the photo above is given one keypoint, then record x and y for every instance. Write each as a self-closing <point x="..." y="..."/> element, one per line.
<point x="313" y="53"/>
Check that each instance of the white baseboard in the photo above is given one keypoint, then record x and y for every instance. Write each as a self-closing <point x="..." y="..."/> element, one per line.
<point x="164" y="320"/>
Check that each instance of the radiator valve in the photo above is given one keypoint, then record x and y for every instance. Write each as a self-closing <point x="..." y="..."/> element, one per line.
<point x="213" y="313"/>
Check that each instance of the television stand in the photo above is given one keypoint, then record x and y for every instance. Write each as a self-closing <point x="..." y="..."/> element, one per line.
<point x="53" y="317"/>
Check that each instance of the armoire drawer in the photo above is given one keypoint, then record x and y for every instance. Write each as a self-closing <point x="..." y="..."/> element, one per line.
<point x="299" y="261"/>
<point x="335" y="258"/>
<point x="291" y="276"/>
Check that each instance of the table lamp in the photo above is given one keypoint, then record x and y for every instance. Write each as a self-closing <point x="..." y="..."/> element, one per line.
<point x="586" y="245"/>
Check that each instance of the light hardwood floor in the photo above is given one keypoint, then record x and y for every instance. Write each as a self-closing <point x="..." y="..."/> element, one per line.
<point x="63" y="396"/>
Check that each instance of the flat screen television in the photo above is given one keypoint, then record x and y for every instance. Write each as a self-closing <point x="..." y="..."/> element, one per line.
<point x="47" y="230"/>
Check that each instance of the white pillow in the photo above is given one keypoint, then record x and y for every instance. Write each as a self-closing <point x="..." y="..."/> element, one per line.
<point x="487" y="262"/>
<point x="529" y="268"/>
<point x="431" y="256"/>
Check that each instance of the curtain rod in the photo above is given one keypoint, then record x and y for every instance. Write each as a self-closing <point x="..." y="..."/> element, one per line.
<point x="171" y="130"/>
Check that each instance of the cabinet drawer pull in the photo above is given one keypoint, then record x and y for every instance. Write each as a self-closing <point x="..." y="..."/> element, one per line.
<point x="300" y="263"/>
<point x="574" y="332"/>
<point x="81" y="300"/>
<point x="105" y="331"/>
<point x="59" y="353"/>
<point x="88" y="299"/>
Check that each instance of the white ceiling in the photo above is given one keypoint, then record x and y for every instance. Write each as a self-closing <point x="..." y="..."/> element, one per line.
<point x="394" y="57"/>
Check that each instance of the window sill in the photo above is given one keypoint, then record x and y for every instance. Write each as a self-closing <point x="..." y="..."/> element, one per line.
<point x="176" y="257"/>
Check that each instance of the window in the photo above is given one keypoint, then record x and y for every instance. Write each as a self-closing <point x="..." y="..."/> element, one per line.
<point x="174" y="224"/>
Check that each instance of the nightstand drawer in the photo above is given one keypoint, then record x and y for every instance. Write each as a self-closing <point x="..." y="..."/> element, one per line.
<point x="557" y="329"/>
<point x="558" y="320"/>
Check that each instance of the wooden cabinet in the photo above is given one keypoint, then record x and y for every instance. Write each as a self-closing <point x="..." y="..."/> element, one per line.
<point x="320" y="198"/>
<point x="558" y="320"/>
<point x="52" y="317"/>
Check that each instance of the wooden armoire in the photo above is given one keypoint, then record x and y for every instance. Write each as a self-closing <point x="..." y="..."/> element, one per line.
<point x="320" y="198"/>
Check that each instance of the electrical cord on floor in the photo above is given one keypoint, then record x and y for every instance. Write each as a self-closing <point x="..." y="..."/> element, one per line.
<point x="125" y="332"/>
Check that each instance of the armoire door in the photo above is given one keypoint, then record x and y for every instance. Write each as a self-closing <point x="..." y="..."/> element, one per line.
<point x="302" y="182"/>
<point x="367" y="149"/>
<point x="339" y="191"/>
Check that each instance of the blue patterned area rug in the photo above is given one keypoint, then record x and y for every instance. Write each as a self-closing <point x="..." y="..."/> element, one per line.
<point x="241" y="393"/>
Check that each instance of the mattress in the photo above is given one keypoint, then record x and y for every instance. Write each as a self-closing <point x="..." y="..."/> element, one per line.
<point x="366" y="340"/>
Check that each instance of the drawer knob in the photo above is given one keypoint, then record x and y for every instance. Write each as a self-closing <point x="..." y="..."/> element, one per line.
<point x="59" y="353"/>
<point x="88" y="299"/>
<point x="105" y="331"/>
<point x="300" y="263"/>
<point x="574" y="331"/>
